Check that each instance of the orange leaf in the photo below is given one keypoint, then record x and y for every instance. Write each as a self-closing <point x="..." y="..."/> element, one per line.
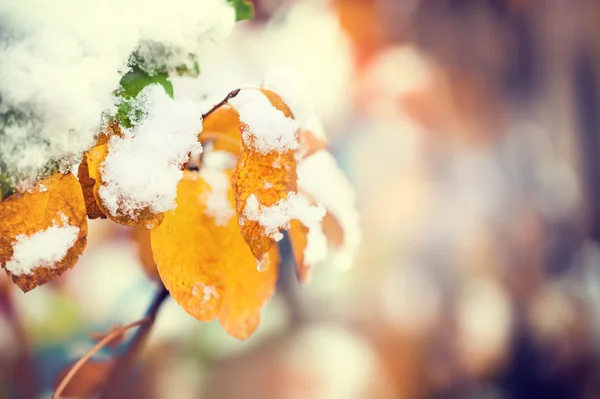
<point x="266" y="177"/>
<point x="42" y="231"/>
<point x="141" y="236"/>
<point x="298" y="240"/>
<point x="223" y="127"/>
<point x="87" y="185"/>
<point x="333" y="230"/>
<point x="140" y="217"/>
<point x="254" y="174"/>
<point x="208" y="268"/>
<point x="278" y="102"/>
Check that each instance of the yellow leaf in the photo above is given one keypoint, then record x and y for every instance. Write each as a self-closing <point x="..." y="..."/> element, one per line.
<point x="141" y="217"/>
<point x="208" y="269"/>
<point x="141" y="236"/>
<point x="30" y="224"/>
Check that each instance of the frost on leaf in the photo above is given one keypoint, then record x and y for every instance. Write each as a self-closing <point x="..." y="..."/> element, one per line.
<point x="208" y="268"/>
<point x="265" y="174"/>
<point x="42" y="231"/>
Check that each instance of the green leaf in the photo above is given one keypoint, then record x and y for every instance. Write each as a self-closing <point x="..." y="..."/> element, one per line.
<point x="132" y="83"/>
<point x="6" y="186"/>
<point x="184" y="70"/>
<point x="135" y="80"/>
<point x="243" y="9"/>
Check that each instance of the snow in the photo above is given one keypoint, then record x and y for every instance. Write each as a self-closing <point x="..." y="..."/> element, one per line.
<point x="207" y="291"/>
<point x="42" y="249"/>
<point x="268" y="129"/>
<point x="217" y="202"/>
<point x="218" y="160"/>
<point x="142" y="168"/>
<point x="320" y="177"/>
<point x="290" y="85"/>
<point x="276" y="217"/>
<point x="61" y="71"/>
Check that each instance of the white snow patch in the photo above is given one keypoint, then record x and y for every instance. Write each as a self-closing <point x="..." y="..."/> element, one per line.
<point x="268" y="129"/>
<point x="42" y="249"/>
<point x="290" y="85"/>
<point x="218" y="160"/>
<point x="277" y="217"/>
<point x="208" y="291"/>
<point x="320" y="177"/>
<point x="61" y="71"/>
<point x="217" y="201"/>
<point x="142" y="168"/>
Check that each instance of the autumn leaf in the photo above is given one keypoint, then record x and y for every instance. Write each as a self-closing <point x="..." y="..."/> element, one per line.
<point x="222" y="127"/>
<point x="298" y="241"/>
<point x="83" y="173"/>
<point x="140" y="217"/>
<point x="87" y="186"/>
<point x="255" y="177"/>
<point x="42" y="231"/>
<point x="207" y="267"/>
<point x="141" y="236"/>
<point x="265" y="173"/>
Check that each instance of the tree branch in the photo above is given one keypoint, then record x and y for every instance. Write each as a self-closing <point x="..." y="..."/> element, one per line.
<point x="229" y="96"/>
<point x="120" y="371"/>
<point x="104" y="341"/>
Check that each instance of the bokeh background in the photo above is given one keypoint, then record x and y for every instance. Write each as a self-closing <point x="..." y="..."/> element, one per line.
<point x="471" y="132"/>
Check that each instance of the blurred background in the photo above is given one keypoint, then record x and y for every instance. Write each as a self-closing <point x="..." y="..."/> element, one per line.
<point x="470" y="130"/>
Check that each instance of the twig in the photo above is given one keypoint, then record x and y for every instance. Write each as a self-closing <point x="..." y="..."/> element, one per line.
<point x="104" y="341"/>
<point x="114" y="382"/>
<point x="229" y="96"/>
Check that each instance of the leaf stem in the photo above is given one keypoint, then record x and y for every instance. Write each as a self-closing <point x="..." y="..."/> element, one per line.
<point x="116" y="378"/>
<point x="104" y="341"/>
<point x="115" y="381"/>
<point x="229" y="96"/>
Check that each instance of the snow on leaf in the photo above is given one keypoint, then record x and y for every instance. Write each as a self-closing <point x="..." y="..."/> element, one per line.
<point x="268" y="123"/>
<point x="208" y="269"/>
<point x="265" y="172"/>
<point x="139" y="217"/>
<point x="58" y="74"/>
<point x="138" y="171"/>
<point x="320" y="178"/>
<point x="217" y="202"/>
<point x="42" y="231"/>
